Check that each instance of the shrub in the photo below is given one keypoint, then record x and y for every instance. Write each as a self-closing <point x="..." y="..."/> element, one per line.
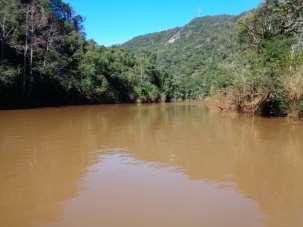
<point x="301" y="108"/>
<point x="275" y="106"/>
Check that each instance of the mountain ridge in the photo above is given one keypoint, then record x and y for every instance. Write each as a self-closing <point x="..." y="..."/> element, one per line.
<point x="172" y="31"/>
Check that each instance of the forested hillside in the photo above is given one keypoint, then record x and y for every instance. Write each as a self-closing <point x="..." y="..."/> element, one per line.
<point x="192" y="53"/>
<point x="251" y="63"/>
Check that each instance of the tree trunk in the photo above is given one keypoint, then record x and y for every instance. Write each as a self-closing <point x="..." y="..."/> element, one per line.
<point x="46" y="51"/>
<point x="24" y="79"/>
<point x="141" y="70"/>
<point x="2" y="50"/>
<point x="30" y="81"/>
<point x="48" y="40"/>
<point x="3" y="31"/>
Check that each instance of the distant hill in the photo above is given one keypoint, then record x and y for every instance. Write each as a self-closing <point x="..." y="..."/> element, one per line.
<point x="191" y="50"/>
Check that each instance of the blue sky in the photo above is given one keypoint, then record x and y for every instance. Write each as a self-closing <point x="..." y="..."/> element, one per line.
<point x="116" y="21"/>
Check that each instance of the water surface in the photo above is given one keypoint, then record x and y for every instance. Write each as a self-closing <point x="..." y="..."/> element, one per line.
<point x="171" y="165"/>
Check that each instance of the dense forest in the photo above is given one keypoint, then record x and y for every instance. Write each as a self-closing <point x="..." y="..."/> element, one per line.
<point x="46" y="60"/>
<point x="251" y="63"/>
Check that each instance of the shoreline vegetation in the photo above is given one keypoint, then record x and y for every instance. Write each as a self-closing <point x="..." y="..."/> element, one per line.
<point x="251" y="63"/>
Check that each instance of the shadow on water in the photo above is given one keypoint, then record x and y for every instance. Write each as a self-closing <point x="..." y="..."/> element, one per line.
<point x="53" y="162"/>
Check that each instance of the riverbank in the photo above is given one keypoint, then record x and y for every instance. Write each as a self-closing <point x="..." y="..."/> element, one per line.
<point x="227" y="103"/>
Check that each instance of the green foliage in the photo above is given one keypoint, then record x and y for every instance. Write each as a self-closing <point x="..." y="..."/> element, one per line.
<point x="8" y="76"/>
<point x="270" y="81"/>
<point x="190" y="54"/>
<point x="255" y="58"/>
<point x="301" y="106"/>
<point x="276" y="104"/>
<point x="55" y="64"/>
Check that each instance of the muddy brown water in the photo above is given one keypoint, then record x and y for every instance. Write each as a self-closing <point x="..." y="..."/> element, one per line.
<point x="173" y="165"/>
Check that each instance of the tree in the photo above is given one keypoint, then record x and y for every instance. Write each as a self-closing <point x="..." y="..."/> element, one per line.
<point x="8" y="24"/>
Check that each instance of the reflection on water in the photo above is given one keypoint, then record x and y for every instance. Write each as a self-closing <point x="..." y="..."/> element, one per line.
<point x="155" y="165"/>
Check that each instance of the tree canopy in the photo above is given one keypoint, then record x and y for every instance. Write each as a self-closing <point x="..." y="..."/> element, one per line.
<point x="46" y="60"/>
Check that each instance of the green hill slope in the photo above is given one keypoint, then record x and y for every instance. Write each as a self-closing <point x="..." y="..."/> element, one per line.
<point x="192" y="51"/>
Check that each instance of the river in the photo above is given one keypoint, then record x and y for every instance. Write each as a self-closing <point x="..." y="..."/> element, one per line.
<point x="166" y="165"/>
